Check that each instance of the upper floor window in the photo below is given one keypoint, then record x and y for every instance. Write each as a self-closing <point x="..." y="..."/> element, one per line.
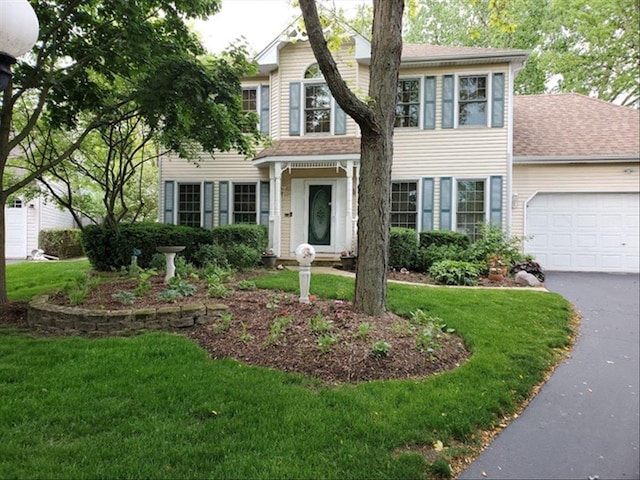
<point x="189" y="204"/>
<point x="250" y="99"/>
<point x="408" y="103"/>
<point x="317" y="109"/>
<point x="317" y="102"/>
<point x="244" y="203"/>
<point x="404" y="201"/>
<point x="472" y="100"/>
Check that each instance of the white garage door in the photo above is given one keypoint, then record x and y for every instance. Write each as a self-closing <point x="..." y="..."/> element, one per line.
<point x="16" y="230"/>
<point x="591" y="232"/>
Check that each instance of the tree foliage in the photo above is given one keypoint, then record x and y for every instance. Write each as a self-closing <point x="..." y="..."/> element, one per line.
<point x="97" y="62"/>
<point x="585" y="46"/>
<point x="594" y="48"/>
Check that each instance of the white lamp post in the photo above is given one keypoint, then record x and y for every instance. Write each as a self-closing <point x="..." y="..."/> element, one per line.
<point x="305" y="254"/>
<point x="19" y="29"/>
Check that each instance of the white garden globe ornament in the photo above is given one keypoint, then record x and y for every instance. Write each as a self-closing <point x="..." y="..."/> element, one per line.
<point x="19" y="29"/>
<point x="305" y="254"/>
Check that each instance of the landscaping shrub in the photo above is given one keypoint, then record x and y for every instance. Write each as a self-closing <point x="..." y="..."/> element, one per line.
<point x="254" y="236"/>
<point x="443" y="238"/>
<point x="108" y="249"/>
<point x="494" y="242"/>
<point x="453" y="272"/>
<point x="211" y="255"/>
<point x="403" y="248"/>
<point x="243" y="257"/>
<point x="61" y="242"/>
<point x="437" y="253"/>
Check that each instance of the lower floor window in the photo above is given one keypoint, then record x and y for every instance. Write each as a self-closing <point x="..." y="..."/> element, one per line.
<point x="470" y="207"/>
<point x="244" y="203"/>
<point x="189" y="204"/>
<point x="404" y="196"/>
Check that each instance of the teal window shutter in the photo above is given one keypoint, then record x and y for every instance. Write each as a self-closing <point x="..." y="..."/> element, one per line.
<point x="495" y="201"/>
<point x="340" y="122"/>
<point x="264" y="203"/>
<point x="224" y="203"/>
<point x="169" y="194"/>
<point x="497" y="100"/>
<point x="208" y="205"/>
<point x="429" y="103"/>
<point x="446" y="199"/>
<point x="264" y="109"/>
<point x="294" y="108"/>
<point x="448" y="94"/>
<point x="427" y="204"/>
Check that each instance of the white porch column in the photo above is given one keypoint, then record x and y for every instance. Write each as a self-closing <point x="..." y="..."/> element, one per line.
<point x="275" y="178"/>
<point x="349" y="207"/>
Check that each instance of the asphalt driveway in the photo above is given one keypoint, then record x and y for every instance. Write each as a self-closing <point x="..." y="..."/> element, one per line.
<point x="584" y="424"/>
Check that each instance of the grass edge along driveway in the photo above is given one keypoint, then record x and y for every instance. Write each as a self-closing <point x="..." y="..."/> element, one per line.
<point x="155" y="406"/>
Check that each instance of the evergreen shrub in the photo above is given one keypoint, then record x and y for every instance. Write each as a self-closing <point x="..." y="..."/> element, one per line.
<point x="108" y="249"/>
<point x="444" y="237"/>
<point x="403" y="248"/>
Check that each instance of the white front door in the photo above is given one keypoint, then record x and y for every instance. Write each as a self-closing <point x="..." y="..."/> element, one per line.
<point x="16" y="230"/>
<point x="584" y="231"/>
<point x="318" y="217"/>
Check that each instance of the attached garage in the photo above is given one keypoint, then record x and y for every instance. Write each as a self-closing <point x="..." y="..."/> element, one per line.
<point x="584" y="231"/>
<point x="576" y="183"/>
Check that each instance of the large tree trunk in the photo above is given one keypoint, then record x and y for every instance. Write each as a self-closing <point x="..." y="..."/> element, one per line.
<point x="376" y="152"/>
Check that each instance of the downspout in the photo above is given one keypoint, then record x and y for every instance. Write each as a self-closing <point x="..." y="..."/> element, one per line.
<point x="513" y="71"/>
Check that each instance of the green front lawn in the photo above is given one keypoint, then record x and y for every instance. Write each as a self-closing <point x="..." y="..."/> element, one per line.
<point x="155" y="406"/>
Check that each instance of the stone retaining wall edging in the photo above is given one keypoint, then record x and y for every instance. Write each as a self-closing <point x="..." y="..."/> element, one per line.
<point x="63" y="320"/>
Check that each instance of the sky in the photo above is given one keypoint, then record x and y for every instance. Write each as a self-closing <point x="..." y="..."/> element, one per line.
<point x="259" y="21"/>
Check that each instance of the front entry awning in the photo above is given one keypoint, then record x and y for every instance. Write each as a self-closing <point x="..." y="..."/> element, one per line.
<point x="321" y="152"/>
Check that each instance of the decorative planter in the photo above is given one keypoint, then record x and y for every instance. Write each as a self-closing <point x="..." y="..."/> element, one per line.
<point x="497" y="274"/>
<point x="269" y="261"/>
<point x="348" y="262"/>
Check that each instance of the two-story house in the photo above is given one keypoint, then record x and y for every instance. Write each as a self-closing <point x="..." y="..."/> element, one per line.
<point x="452" y="163"/>
<point x="461" y="158"/>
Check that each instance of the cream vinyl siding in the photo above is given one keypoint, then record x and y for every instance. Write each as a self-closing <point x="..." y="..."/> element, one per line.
<point x="295" y="58"/>
<point x="226" y="166"/>
<point x="460" y="152"/>
<point x="568" y="178"/>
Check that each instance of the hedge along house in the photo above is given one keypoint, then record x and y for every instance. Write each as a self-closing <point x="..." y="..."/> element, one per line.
<point x="452" y="162"/>
<point x="576" y="182"/>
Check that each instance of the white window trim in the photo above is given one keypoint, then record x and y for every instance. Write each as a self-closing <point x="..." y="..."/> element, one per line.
<point x="420" y="80"/>
<point x="231" y="200"/>
<point x="456" y="105"/>
<point x="176" y="200"/>
<point x="305" y="82"/>
<point x="418" y="199"/>
<point x="454" y="203"/>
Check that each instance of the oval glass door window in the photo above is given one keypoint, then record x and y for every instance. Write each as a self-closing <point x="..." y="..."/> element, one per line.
<point x="320" y="214"/>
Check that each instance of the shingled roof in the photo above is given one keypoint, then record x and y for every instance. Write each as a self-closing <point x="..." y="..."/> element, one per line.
<point x="573" y="126"/>
<point x="312" y="146"/>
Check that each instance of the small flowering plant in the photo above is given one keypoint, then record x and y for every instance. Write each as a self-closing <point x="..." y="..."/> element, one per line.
<point x="346" y="253"/>
<point x="268" y="252"/>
